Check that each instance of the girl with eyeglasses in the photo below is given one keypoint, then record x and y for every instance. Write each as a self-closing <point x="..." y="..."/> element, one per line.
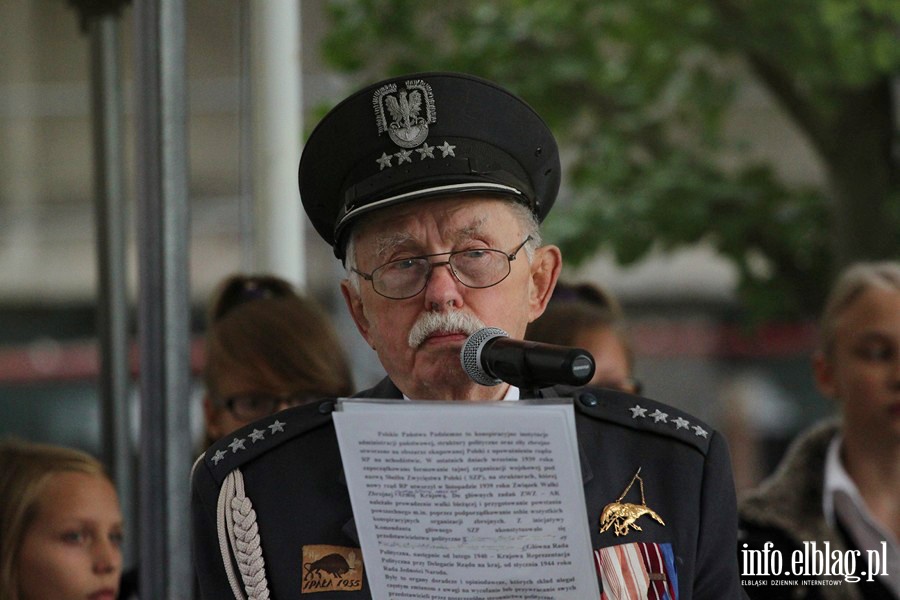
<point x="267" y="348"/>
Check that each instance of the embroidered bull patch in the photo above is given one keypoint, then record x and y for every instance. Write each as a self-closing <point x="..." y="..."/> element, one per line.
<point x="331" y="569"/>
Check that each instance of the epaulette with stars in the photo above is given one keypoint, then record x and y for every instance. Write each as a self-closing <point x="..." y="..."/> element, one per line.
<point x="637" y="412"/>
<point x="245" y="444"/>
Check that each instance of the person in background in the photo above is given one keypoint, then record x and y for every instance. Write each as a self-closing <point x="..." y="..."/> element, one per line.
<point x="839" y="482"/>
<point x="267" y="348"/>
<point x="60" y="525"/>
<point x="586" y="316"/>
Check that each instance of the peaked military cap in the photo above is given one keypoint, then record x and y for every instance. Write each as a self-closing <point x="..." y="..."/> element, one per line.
<point x="421" y="136"/>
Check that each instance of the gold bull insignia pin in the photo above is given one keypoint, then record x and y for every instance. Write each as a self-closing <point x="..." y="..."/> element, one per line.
<point x="623" y="515"/>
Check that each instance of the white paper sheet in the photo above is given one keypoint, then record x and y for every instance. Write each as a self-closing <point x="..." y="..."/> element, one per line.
<point x="458" y="500"/>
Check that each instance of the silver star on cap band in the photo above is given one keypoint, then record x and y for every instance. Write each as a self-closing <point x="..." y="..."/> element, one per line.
<point x="384" y="161"/>
<point x="403" y="156"/>
<point x="426" y="151"/>
<point x="446" y="149"/>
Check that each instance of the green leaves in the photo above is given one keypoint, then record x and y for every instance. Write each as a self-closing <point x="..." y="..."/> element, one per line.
<point x="638" y="91"/>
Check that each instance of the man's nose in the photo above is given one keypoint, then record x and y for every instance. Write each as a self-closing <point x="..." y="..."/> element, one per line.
<point x="442" y="288"/>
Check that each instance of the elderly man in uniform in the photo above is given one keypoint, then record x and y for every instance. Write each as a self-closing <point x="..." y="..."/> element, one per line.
<point x="430" y="188"/>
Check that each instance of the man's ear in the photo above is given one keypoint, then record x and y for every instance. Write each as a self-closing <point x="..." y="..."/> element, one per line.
<point x="545" y="268"/>
<point x="823" y="370"/>
<point x="357" y="311"/>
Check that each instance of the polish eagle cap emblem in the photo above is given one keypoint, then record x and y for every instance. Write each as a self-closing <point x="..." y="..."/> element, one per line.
<point x="409" y="112"/>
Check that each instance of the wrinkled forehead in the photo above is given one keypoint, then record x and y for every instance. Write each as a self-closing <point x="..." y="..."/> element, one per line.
<point x="450" y="220"/>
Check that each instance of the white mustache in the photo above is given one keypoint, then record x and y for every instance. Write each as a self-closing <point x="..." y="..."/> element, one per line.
<point x="446" y="322"/>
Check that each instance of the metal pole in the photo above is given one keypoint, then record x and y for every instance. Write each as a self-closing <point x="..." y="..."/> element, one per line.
<point x="112" y="303"/>
<point x="277" y="131"/>
<point x="247" y="214"/>
<point x="165" y="458"/>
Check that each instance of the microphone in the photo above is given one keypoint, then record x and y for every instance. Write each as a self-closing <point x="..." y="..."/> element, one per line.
<point x="489" y="356"/>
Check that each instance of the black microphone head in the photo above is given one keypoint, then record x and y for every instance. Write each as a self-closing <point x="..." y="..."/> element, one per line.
<point x="470" y="355"/>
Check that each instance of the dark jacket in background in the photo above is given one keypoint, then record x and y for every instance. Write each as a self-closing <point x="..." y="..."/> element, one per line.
<point x="786" y="510"/>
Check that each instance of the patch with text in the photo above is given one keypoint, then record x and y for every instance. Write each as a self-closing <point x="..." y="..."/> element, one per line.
<point x="331" y="569"/>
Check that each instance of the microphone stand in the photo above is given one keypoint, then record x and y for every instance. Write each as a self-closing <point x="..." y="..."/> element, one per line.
<point x="528" y="388"/>
<point x="528" y="391"/>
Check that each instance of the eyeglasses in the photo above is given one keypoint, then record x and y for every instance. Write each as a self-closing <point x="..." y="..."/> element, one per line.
<point x="477" y="268"/>
<point x="250" y="407"/>
<point x="241" y="289"/>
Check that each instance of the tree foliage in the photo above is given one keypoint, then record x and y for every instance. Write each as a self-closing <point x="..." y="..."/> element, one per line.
<point x="637" y="92"/>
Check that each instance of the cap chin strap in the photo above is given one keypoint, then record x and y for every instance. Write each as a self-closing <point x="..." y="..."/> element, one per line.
<point x="239" y="537"/>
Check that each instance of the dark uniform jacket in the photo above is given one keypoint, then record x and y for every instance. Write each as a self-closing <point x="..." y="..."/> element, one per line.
<point x="284" y="474"/>
<point x="786" y="510"/>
